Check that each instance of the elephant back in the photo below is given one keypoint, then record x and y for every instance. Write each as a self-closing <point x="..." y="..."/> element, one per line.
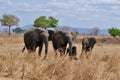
<point x="60" y="36"/>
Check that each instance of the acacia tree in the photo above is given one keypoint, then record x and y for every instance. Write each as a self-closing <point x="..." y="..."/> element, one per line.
<point x="9" y="20"/>
<point x="52" y="22"/>
<point x="44" y="22"/>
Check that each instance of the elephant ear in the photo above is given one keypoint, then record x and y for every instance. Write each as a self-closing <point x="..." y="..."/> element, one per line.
<point x="69" y="36"/>
<point x="59" y="36"/>
<point x="36" y="34"/>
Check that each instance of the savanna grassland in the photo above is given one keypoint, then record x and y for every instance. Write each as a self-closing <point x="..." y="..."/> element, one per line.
<point x="104" y="64"/>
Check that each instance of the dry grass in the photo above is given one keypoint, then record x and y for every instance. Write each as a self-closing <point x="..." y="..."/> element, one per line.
<point x="104" y="64"/>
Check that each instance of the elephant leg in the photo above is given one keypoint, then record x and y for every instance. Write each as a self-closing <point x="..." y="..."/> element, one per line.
<point x="55" y="50"/>
<point x="29" y="50"/>
<point x="70" y="46"/>
<point x="40" y="49"/>
<point x="83" y="50"/>
<point x="90" y="52"/>
<point x="56" y="54"/>
<point x="82" y="53"/>
<point x="64" y="51"/>
<point x="86" y="50"/>
<point x="61" y="53"/>
<point x="23" y="49"/>
<point x="55" y="47"/>
<point x="34" y="46"/>
<point x="45" y="54"/>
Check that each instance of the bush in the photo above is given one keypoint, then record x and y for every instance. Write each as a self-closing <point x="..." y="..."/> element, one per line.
<point x="18" y="30"/>
<point x="103" y="40"/>
<point x="114" y="32"/>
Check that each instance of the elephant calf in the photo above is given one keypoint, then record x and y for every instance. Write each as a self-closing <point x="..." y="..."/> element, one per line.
<point x="88" y="44"/>
<point x="74" y="50"/>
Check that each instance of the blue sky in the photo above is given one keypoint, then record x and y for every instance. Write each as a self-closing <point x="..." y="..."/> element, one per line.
<point x="74" y="13"/>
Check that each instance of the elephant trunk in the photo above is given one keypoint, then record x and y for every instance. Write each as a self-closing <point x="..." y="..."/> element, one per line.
<point x="70" y="46"/>
<point x="46" y="46"/>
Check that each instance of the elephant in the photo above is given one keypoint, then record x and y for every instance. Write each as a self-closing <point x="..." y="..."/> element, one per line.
<point x="74" y="50"/>
<point x="51" y="33"/>
<point x="88" y="44"/>
<point x="35" y="38"/>
<point x="60" y="41"/>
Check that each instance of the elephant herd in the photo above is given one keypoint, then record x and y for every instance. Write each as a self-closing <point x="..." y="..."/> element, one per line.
<point x="37" y="37"/>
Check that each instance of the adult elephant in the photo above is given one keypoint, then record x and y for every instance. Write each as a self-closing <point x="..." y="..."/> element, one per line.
<point x="51" y="33"/>
<point x="35" y="38"/>
<point x="60" y="41"/>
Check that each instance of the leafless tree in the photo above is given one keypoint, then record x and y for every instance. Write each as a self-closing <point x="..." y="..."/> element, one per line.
<point x="94" y="31"/>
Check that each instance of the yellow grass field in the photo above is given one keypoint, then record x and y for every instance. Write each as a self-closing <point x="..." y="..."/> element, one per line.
<point x="104" y="64"/>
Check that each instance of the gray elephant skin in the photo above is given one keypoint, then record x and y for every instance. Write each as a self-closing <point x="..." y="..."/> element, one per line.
<point x="88" y="44"/>
<point x="61" y="39"/>
<point x="35" y="38"/>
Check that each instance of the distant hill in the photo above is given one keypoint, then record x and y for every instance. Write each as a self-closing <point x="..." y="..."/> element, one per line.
<point x="104" y="31"/>
<point x="86" y="30"/>
<point x="80" y="30"/>
<point x="27" y="26"/>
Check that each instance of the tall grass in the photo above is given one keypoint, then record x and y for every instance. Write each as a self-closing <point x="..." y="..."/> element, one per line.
<point x="29" y="66"/>
<point x="15" y="65"/>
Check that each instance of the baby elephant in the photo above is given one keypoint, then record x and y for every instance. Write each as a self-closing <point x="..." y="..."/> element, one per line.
<point x="88" y="44"/>
<point x="74" y="51"/>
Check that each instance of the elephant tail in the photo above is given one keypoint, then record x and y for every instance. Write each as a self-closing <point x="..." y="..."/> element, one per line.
<point x="23" y="49"/>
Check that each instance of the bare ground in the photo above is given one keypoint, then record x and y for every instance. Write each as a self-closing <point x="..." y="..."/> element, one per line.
<point x="104" y="64"/>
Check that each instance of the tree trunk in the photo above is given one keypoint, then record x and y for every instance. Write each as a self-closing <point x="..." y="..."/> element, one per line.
<point x="9" y="30"/>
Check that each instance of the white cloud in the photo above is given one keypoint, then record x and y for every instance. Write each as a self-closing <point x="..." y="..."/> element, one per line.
<point x="9" y="2"/>
<point x="107" y="1"/>
<point x="115" y="7"/>
<point x="83" y="10"/>
<point x="62" y="5"/>
<point x="3" y="1"/>
<point x="2" y="8"/>
<point x="54" y="13"/>
<point x="25" y="4"/>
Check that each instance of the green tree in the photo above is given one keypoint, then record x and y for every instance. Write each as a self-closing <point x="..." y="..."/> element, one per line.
<point x="9" y="20"/>
<point x="44" y="22"/>
<point x="52" y="22"/>
<point x="114" y="32"/>
<point x="18" y="30"/>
